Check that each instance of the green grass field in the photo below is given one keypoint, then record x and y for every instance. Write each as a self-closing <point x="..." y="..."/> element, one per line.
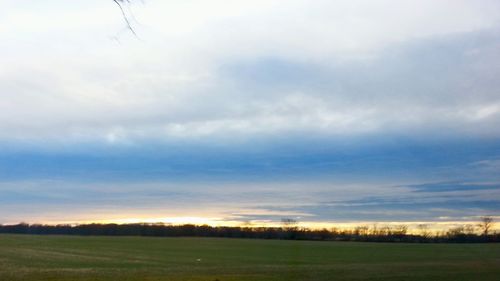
<point x="138" y="258"/>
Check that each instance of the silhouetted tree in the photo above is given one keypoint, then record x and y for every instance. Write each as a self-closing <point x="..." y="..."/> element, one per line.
<point x="289" y="230"/>
<point x="469" y="229"/>
<point x="424" y="230"/>
<point x="486" y="224"/>
<point x="290" y="227"/>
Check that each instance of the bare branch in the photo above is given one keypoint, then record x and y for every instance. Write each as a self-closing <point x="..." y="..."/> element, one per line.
<point x="125" y="18"/>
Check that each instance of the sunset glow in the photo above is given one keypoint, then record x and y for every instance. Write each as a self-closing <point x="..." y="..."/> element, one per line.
<point x="332" y="113"/>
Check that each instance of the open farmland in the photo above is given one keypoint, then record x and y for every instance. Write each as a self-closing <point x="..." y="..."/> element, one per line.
<point x="139" y="258"/>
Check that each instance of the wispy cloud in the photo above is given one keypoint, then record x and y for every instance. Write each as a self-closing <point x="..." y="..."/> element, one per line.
<point x="454" y="186"/>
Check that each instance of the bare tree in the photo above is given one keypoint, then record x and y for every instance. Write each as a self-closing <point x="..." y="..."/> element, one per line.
<point x="424" y="230"/>
<point x="290" y="226"/>
<point x="486" y="224"/>
<point x="456" y="231"/>
<point x="361" y="230"/>
<point x="289" y="223"/>
<point x="400" y="230"/>
<point x="469" y="229"/>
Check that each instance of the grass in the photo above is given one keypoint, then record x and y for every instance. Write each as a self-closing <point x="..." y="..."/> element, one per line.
<point x="159" y="259"/>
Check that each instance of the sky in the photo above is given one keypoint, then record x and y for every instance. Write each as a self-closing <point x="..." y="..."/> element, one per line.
<point x="246" y="112"/>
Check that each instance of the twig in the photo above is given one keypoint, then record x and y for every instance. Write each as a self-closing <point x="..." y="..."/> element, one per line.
<point x="129" y="26"/>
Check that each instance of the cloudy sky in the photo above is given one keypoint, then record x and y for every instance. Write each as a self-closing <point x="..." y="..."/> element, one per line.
<point x="227" y="111"/>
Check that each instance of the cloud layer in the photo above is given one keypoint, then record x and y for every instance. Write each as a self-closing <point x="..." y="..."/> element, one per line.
<point x="251" y="110"/>
<point x="248" y="68"/>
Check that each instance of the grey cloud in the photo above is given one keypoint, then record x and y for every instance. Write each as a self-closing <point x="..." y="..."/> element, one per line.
<point x="454" y="186"/>
<point x="321" y="201"/>
<point x="434" y="76"/>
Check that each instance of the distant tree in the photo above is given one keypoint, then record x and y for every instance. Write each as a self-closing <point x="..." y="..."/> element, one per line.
<point x="423" y="230"/>
<point x="469" y="229"/>
<point x="361" y="230"/>
<point x="385" y="231"/>
<point x="290" y="226"/>
<point x="456" y="231"/>
<point x="289" y="223"/>
<point x="288" y="230"/>
<point x="400" y="230"/>
<point x="486" y="224"/>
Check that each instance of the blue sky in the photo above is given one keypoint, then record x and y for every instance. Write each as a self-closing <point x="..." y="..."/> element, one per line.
<point x="250" y="111"/>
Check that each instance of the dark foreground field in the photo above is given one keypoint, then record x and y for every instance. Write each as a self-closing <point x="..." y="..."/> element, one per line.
<point x="136" y="258"/>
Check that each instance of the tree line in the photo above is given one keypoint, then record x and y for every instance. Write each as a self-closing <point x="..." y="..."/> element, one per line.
<point x="289" y="231"/>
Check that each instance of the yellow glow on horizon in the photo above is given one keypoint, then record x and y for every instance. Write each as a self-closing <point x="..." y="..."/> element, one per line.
<point x="172" y="220"/>
<point x="413" y="227"/>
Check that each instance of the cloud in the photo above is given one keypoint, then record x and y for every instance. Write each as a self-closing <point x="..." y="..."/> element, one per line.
<point x="308" y="200"/>
<point x="250" y="69"/>
<point x="257" y="109"/>
<point x="454" y="186"/>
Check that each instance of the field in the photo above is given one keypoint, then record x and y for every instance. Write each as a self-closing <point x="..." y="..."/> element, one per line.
<point x="137" y="258"/>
